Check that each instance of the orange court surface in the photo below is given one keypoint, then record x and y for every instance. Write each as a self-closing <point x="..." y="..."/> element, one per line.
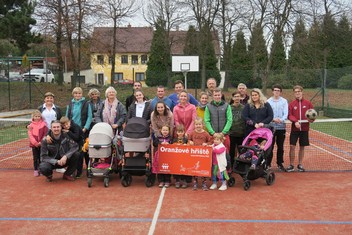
<point x="297" y="203"/>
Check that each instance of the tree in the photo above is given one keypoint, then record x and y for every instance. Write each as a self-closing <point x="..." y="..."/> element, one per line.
<point x="277" y="52"/>
<point x="16" y="23"/>
<point x="159" y="63"/>
<point x="240" y="61"/>
<point x="299" y="55"/>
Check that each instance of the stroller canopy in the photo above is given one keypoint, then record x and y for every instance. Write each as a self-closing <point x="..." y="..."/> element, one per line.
<point x="263" y="133"/>
<point x="101" y="134"/>
<point x="136" y="128"/>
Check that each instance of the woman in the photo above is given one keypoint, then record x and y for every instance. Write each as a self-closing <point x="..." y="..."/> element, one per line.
<point x="49" y="110"/>
<point x="114" y="112"/>
<point x="160" y="117"/>
<point x="257" y="112"/>
<point x="185" y="113"/>
<point x="203" y="101"/>
<point x="140" y="108"/>
<point x="96" y="105"/>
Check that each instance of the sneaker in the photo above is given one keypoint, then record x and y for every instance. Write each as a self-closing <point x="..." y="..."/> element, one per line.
<point x="195" y="186"/>
<point x="167" y="185"/>
<point x="60" y="170"/>
<point x="204" y="186"/>
<point x="68" y="177"/>
<point x="49" y="178"/>
<point x="300" y="168"/>
<point x="36" y="173"/>
<point x="281" y="167"/>
<point x="290" y="168"/>
<point x="213" y="186"/>
<point x="177" y="184"/>
<point x="184" y="185"/>
<point x="161" y="184"/>
<point x="252" y="167"/>
<point x="78" y="176"/>
<point x="223" y="187"/>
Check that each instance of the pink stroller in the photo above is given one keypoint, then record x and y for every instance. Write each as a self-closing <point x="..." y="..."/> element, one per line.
<point x="242" y="166"/>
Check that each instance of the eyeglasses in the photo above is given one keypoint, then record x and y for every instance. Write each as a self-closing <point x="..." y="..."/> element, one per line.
<point x="276" y="90"/>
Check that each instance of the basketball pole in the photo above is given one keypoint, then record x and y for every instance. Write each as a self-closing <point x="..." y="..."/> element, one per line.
<point x="185" y="75"/>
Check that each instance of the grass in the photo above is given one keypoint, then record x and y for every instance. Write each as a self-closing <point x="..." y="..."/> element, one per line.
<point x="337" y="129"/>
<point x="12" y="133"/>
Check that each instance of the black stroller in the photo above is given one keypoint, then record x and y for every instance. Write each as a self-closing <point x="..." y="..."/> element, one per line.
<point x="136" y="139"/>
<point x="243" y="166"/>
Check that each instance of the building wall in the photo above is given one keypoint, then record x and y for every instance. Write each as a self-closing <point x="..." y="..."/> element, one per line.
<point x="128" y="70"/>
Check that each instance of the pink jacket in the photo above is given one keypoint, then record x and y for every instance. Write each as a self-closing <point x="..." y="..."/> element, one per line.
<point x="36" y="132"/>
<point x="185" y="115"/>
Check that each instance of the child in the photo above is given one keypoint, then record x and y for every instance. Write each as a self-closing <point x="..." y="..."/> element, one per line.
<point x="36" y="132"/>
<point x="164" y="138"/>
<point x="181" y="139"/>
<point x="250" y="154"/>
<point x="219" y="162"/>
<point x="199" y="137"/>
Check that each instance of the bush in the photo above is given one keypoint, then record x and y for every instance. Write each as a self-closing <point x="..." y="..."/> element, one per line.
<point x="345" y="82"/>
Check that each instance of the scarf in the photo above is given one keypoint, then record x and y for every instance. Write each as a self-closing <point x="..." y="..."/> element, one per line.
<point x="202" y="106"/>
<point x="110" y="111"/>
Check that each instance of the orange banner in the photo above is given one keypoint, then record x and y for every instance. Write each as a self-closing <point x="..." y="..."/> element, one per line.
<point x="184" y="160"/>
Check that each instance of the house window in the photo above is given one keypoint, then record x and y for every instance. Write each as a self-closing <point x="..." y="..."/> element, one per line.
<point x="134" y="59"/>
<point x="140" y="77"/>
<point x="144" y="59"/>
<point x="100" y="79"/>
<point x="117" y="77"/>
<point x="100" y="59"/>
<point x="110" y="59"/>
<point x="124" y="59"/>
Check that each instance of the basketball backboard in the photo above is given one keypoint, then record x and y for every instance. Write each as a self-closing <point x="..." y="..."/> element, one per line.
<point x="185" y="63"/>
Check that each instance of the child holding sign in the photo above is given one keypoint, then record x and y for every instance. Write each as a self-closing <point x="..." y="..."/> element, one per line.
<point x="181" y="139"/>
<point x="219" y="162"/>
<point x="202" y="138"/>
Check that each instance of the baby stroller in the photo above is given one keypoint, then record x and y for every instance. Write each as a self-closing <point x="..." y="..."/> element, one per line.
<point x="243" y="166"/>
<point x="136" y="140"/>
<point x="102" y="155"/>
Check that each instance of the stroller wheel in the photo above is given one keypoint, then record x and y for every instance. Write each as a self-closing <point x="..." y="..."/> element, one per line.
<point x="270" y="178"/>
<point x="246" y="185"/>
<point x="89" y="181"/>
<point x="231" y="182"/>
<point x="126" y="180"/>
<point x="106" y="182"/>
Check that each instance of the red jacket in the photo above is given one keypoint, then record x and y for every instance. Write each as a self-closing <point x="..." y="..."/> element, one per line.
<point x="296" y="112"/>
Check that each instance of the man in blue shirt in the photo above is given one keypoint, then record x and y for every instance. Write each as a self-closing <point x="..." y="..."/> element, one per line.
<point x="160" y="96"/>
<point x="280" y="109"/>
<point x="178" y="85"/>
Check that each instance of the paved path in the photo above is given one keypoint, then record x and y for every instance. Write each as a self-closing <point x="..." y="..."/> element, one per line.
<point x="19" y="113"/>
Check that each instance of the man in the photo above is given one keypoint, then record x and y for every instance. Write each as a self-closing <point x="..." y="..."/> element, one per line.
<point x="242" y="88"/>
<point x="218" y="117"/>
<point x="178" y="85"/>
<point x="62" y="152"/>
<point x="238" y="126"/>
<point x="160" y="96"/>
<point x="299" y="128"/>
<point x="211" y="85"/>
<point x="137" y="86"/>
<point x="280" y="109"/>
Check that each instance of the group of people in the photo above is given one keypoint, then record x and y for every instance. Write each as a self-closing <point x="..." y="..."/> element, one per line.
<point x="179" y="118"/>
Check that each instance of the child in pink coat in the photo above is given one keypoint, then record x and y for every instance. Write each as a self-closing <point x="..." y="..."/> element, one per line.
<point x="36" y="132"/>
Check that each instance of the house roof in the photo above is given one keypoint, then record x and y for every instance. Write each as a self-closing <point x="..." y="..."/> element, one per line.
<point x="138" y="40"/>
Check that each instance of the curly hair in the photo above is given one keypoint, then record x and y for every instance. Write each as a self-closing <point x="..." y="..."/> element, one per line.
<point x="262" y="98"/>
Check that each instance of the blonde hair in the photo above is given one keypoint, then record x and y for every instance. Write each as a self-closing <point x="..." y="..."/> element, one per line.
<point x="77" y="90"/>
<point x="36" y="112"/>
<point x="203" y="93"/>
<point x="110" y="88"/>
<point x="199" y="120"/>
<point x="219" y="136"/>
<point x="93" y="91"/>
<point x="298" y="87"/>
<point x="64" y="120"/>
<point x="262" y="98"/>
<point x="184" y="91"/>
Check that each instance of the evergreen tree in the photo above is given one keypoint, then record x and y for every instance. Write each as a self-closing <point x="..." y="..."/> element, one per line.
<point x="344" y="43"/>
<point x="278" y="52"/>
<point x="258" y="54"/>
<point x="240" y="61"/>
<point x="159" y="63"/>
<point x="314" y="50"/>
<point x="329" y="41"/>
<point x="299" y="55"/>
<point x="16" y="22"/>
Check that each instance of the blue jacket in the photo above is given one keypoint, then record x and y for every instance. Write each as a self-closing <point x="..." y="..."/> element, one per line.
<point x="166" y="100"/>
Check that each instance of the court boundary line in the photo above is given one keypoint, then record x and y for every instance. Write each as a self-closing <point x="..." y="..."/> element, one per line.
<point x="333" y="154"/>
<point x="157" y="212"/>
<point x="328" y="222"/>
<point x="16" y="155"/>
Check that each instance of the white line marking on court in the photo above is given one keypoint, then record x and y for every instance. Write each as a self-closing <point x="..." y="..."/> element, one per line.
<point x="157" y="211"/>
<point x="324" y="150"/>
<point x="15" y="155"/>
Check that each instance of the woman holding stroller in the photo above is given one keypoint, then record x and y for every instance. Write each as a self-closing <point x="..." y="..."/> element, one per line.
<point x="257" y="112"/>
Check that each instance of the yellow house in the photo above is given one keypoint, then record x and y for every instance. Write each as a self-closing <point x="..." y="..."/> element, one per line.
<point x="132" y="50"/>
